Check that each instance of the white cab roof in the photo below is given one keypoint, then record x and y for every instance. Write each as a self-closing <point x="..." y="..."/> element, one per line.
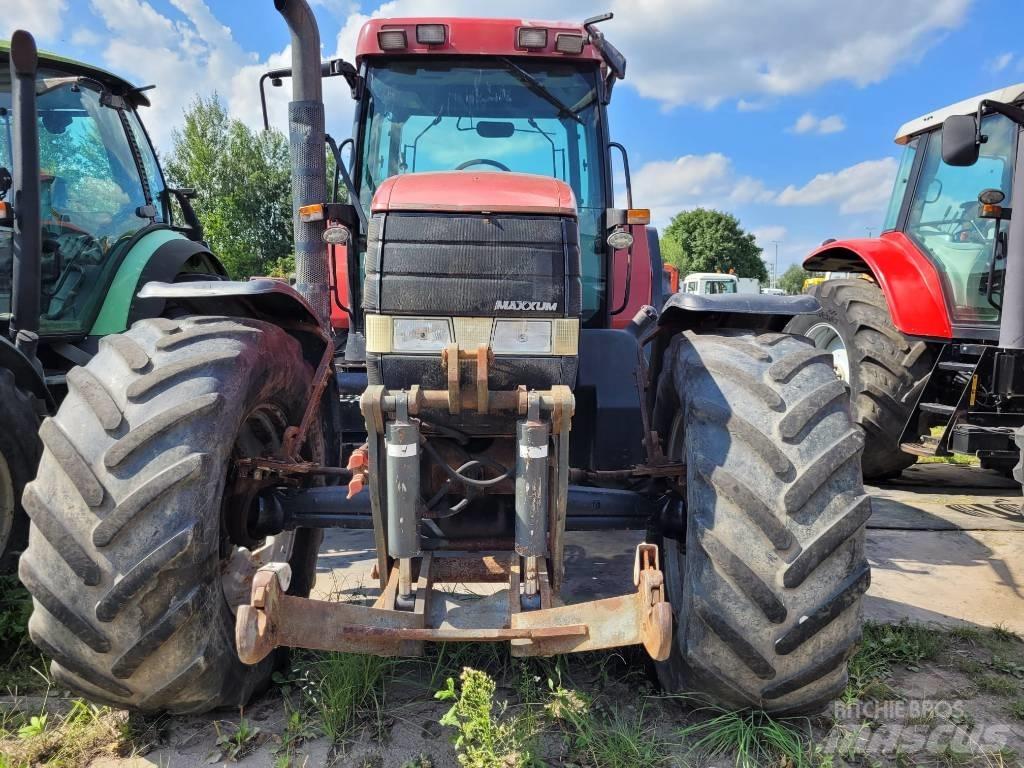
<point x="1008" y="95"/>
<point x="709" y="276"/>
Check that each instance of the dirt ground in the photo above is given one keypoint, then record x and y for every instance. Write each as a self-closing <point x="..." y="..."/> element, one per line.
<point x="945" y="687"/>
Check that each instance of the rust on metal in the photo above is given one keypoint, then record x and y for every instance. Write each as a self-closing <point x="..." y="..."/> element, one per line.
<point x="295" y="437"/>
<point x="274" y="618"/>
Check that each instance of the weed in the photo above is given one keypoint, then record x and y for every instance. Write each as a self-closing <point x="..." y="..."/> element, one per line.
<point x="233" y="745"/>
<point x="1017" y="709"/>
<point x="16" y="651"/>
<point x="997" y="685"/>
<point x="296" y="730"/>
<point x="484" y="738"/>
<point x="1005" y="634"/>
<point x="420" y="761"/>
<point x="71" y="741"/>
<point x="35" y="726"/>
<point x="755" y="738"/>
<point x="343" y="689"/>
<point x="1007" y="667"/>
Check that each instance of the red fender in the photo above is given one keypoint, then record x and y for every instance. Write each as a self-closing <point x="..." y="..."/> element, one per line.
<point x="910" y="281"/>
<point x="640" y="280"/>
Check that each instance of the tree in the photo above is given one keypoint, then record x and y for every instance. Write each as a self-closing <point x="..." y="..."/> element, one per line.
<point x="705" y="240"/>
<point x="792" y="280"/>
<point x="243" y="180"/>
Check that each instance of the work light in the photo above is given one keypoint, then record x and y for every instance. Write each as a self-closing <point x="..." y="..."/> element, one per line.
<point x="430" y="34"/>
<point x="533" y="37"/>
<point x="392" y="39"/>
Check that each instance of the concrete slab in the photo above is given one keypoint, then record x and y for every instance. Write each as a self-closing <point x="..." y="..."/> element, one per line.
<point x="946" y="544"/>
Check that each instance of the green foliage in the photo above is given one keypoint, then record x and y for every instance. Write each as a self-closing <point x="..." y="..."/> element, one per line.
<point x="15" y="608"/>
<point x="792" y="280"/>
<point x="35" y="726"/>
<point x="705" y="240"/>
<point x="243" y="180"/>
<point x="483" y="738"/>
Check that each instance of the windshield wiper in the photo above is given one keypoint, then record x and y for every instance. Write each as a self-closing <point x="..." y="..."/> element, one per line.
<point x="535" y="85"/>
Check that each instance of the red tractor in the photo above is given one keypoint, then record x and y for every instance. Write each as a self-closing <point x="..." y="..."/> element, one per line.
<point x="925" y="343"/>
<point x="505" y="378"/>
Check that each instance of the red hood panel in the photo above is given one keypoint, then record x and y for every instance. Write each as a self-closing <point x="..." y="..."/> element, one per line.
<point x="475" y="192"/>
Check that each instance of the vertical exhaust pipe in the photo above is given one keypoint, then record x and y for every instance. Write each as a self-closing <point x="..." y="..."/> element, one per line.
<point x="25" y="194"/>
<point x="308" y="154"/>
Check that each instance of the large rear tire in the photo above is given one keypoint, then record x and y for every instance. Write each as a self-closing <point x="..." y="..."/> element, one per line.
<point x="19" y="456"/>
<point x="133" y="575"/>
<point x="766" y="587"/>
<point x="885" y="370"/>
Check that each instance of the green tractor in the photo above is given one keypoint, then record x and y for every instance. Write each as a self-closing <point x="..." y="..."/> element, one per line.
<point x="85" y="221"/>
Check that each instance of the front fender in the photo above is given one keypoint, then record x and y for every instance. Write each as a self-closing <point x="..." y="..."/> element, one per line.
<point x="911" y="283"/>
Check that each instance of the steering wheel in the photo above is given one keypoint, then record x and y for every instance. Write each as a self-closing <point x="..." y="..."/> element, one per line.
<point x="483" y="161"/>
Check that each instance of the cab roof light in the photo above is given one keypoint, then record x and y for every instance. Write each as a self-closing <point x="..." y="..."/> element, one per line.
<point x="532" y="38"/>
<point x="431" y="34"/>
<point x="392" y="39"/>
<point x="638" y="216"/>
<point x="569" y="44"/>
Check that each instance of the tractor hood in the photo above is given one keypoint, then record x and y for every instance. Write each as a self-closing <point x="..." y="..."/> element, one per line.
<point x="472" y="192"/>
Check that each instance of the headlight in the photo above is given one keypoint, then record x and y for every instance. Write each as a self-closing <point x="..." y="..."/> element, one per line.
<point x="420" y="334"/>
<point x="521" y="337"/>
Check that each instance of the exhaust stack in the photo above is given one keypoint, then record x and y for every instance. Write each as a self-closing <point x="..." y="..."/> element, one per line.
<point x="25" y="193"/>
<point x="308" y="154"/>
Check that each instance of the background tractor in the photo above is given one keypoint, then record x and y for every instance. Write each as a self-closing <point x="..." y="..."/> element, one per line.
<point x="925" y="343"/>
<point x="505" y="378"/>
<point x="84" y="223"/>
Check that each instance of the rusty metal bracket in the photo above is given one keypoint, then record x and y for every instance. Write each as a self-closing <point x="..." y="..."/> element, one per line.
<point x="273" y="618"/>
<point x="295" y="437"/>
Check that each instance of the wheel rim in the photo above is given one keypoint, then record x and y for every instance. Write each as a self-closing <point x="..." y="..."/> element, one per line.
<point x="261" y="434"/>
<point x="827" y="338"/>
<point x="7" y="503"/>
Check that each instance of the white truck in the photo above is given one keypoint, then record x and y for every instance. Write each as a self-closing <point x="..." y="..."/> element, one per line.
<point x="718" y="282"/>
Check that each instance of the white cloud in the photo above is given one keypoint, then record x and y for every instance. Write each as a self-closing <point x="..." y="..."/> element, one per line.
<point x="808" y="122"/>
<point x="85" y="37"/>
<point x="766" y="236"/>
<point x="999" y="63"/>
<point x="861" y="188"/>
<point x="669" y="186"/>
<point x="43" y="18"/>
<point x="704" y="51"/>
<point x="756" y="105"/>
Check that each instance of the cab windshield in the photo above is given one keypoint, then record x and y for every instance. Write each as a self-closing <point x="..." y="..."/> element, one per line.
<point x="93" y="199"/>
<point x="943" y="218"/>
<point x="493" y="114"/>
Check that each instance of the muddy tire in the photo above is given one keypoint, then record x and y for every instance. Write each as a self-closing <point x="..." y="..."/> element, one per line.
<point x="19" y="456"/>
<point x="885" y="370"/>
<point x="127" y="542"/>
<point x="766" y="588"/>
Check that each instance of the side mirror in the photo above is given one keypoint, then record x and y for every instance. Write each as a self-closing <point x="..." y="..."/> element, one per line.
<point x="960" y="145"/>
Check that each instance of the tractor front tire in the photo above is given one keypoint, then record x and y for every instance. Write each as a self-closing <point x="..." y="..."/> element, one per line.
<point x="885" y="370"/>
<point x="128" y="546"/>
<point x="766" y="586"/>
<point x="19" y="456"/>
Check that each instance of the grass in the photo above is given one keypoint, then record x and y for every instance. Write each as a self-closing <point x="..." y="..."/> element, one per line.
<point x="21" y="666"/>
<point x="71" y="740"/>
<point x="754" y="739"/>
<point x="955" y="458"/>
<point x="885" y="645"/>
<point x="997" y="685"/>
<point x="343" y="690"/>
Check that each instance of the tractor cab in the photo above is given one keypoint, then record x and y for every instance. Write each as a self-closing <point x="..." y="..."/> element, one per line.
<point x="99" y="185"/>
<point x="486" y="97"/>
<point x="936" y="206"/>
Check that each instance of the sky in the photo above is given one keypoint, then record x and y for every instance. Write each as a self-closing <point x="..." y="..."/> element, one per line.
<point x="781" y="112"/>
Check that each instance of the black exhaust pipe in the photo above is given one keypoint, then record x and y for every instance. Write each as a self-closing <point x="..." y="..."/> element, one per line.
<point x="24" y="325"/>
<point x="308" y="154"/>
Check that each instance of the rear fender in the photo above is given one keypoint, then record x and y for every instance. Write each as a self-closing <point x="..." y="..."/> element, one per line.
<point x="911" y="283"/>
<point x="755" y="311"/>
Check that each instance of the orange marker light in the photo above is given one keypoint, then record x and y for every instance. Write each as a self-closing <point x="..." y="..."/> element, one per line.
<point x="638" y="216"/>
<point x="313" y="212"/>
